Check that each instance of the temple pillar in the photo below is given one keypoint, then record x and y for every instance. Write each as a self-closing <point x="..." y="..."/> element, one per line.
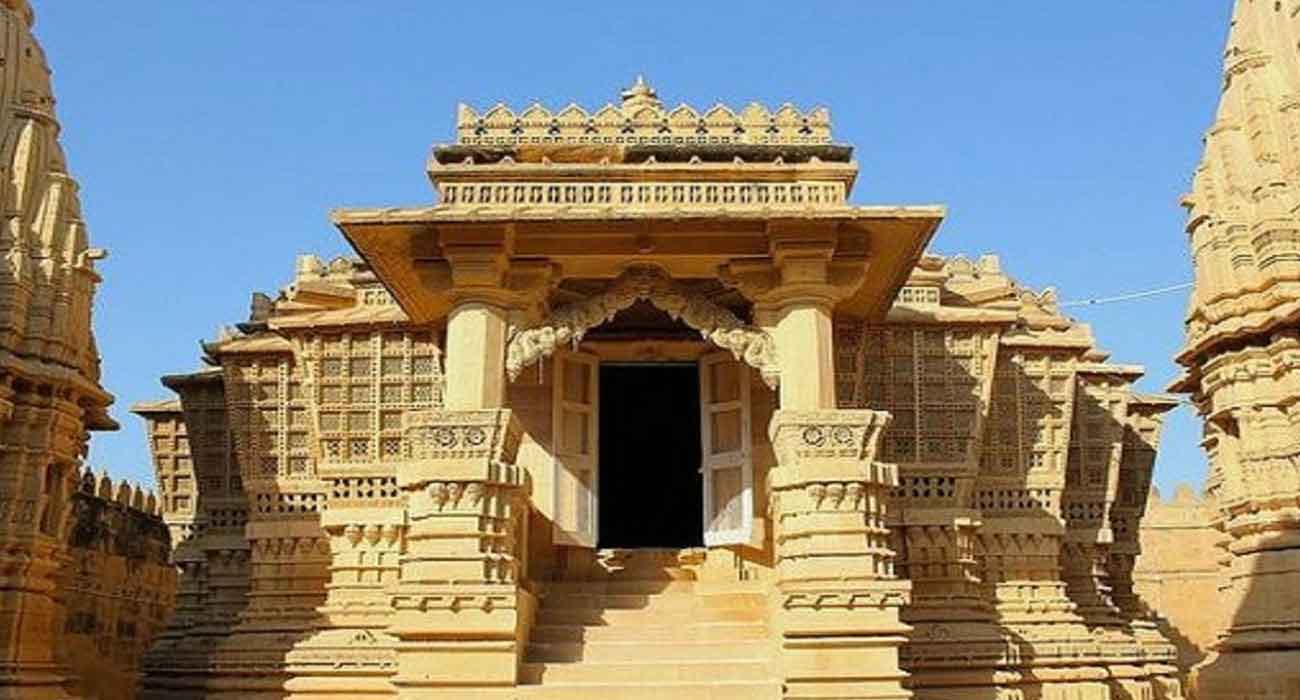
<point x="804" y="336"/>
<point x="839" y="598"/>
<point x="459" y="614"/>
<point x="476" y="341"/>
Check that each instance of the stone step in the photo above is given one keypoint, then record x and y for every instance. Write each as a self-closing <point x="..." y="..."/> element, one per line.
<point x="741" y="690"/>
<point x="663" y="601"/>
<point x="698" y="632"/>
<point x="644" y="651"/>
<point x="629" y="587"/>
<point x="731" y="670"/>
<point x="653" y="615"/>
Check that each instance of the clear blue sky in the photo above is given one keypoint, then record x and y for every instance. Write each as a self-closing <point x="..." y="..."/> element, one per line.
<point x="211" y="138"/>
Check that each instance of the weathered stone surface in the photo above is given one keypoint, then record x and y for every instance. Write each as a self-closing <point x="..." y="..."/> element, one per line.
<point x="1241" y="350"/>
<point x="84" y="578"/>
<point x="1177" y="573"/>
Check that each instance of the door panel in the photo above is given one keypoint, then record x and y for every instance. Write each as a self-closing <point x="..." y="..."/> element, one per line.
<point x="727" y="464"/>
<point x="575" y="415"/>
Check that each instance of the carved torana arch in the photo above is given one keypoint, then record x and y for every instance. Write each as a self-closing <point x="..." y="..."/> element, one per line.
<point x="569" y="323"/>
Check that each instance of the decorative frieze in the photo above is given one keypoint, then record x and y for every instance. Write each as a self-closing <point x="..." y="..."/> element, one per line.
<point x="701" y="194"/>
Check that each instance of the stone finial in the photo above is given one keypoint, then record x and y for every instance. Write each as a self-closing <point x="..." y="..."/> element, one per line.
<point x="137" y="498"/>
<point x="123" y="494"/>
<point x="990" y="264"/>
<point x="640" y="95"/>
<point x="105" y="488"/>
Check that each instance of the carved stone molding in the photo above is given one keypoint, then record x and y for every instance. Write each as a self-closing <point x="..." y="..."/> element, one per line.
<point x="472" y="437"/>
<point x="831" y="448"/>
<point x="569" y="323"/>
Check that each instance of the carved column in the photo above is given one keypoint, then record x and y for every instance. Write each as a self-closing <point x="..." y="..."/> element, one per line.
<point x="483" y="293"/>
<point x="839" y="598"/>
<point x="458" y="610"/>
<point x="793" y="292"/>
<point x="476" y="376"/>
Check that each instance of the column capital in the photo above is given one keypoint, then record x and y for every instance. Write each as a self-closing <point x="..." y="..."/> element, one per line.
<point x="796" y="275"/>
<point x="830" y="446"/>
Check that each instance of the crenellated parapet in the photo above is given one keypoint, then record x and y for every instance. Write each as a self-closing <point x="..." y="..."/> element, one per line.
<point x="119" y="588"/>
<point x="641" y="118"/>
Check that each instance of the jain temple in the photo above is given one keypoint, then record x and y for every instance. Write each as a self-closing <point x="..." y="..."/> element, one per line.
<point x="640" y="405"/>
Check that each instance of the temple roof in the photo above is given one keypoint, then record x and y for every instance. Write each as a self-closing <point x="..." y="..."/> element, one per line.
<point x="404" y="245"/>
<point x="586" y="191"/>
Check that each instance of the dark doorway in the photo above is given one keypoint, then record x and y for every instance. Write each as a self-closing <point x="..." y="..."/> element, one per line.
<point x="651" y="492"/>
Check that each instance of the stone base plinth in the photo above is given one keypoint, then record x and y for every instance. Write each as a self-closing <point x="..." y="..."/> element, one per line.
<point x="843" y="643"/>
<point x="1255" y="675"/>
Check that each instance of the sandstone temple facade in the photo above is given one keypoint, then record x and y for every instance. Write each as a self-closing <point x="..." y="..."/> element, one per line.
<point x="641" y="406"/>
<point x="644" y="405"/>
<point x="1242" y="351"/>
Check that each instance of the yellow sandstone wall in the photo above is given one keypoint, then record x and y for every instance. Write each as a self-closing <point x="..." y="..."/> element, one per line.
<point x="120" y="586"/>
<point x="1177" y="574"/>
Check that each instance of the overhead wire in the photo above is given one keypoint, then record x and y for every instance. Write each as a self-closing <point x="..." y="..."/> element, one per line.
<point x="1126" y="297"/>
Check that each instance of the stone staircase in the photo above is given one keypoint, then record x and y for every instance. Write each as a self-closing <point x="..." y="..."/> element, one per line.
<point x="650" y="631"/>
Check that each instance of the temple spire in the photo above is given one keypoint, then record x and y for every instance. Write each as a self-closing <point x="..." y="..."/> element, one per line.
<point x="1244" y="210"/>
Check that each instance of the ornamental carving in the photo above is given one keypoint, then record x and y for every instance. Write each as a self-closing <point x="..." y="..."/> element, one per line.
<point x="445" y="434"/>
<point x="568" y="324"/>
<point x="837" y="436"/>
<point x="642" y="119"/>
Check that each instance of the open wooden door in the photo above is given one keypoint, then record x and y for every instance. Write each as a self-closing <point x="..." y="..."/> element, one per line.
<point x="727" y="464"/>
<point x="575" y="433"/>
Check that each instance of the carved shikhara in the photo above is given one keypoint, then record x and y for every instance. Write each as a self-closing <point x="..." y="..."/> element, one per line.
<point x="1240" y="351"/>
<point x="568" y="324"/>
<point x="86" y="579"/>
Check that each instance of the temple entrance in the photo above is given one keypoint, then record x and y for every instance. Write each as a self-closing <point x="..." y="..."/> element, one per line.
<point x="650" y="487"/>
